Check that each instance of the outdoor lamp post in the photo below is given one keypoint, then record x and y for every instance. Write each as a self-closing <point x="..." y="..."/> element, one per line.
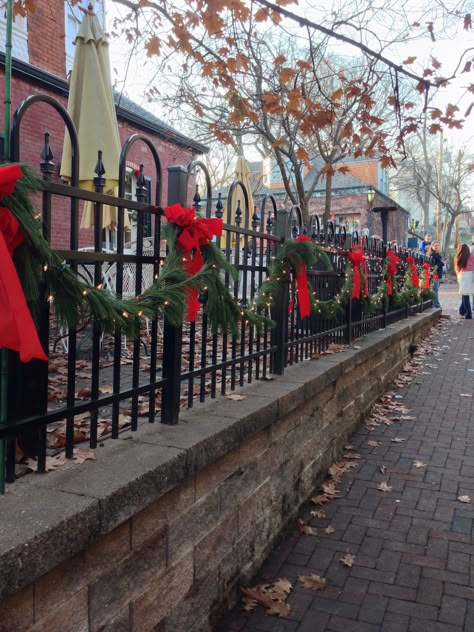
<point x="370" y="202"/>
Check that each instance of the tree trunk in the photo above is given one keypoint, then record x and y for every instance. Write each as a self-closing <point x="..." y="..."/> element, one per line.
<point x="447" y="236"/>
<point x="327" y="203"/>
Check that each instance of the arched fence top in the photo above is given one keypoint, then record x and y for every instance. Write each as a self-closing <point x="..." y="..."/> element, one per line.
<point x="132" y="140"/>
<point x="24" y="106"/>
<point x="268" y="217"/>
<point x="198" y="164"/>
<point x="238" y="184"/>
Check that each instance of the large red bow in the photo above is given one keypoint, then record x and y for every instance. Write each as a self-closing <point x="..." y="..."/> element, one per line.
<point x="391" y="269"/>
<point x="356" y="257"/>
<point x="414" y="273"/>
<point x="17" y="330"/>
<point x="301" y="277"/>
<point x="196" y="233"/>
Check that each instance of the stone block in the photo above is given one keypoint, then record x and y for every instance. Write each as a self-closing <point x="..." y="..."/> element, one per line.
<point x="201" y="598"/>
<point x="253" y="446"/>
<point x="61" y="583"/>
<point x="209" y="478"/>
<point x="163" y="511"/>
<point x="72" y="616"/>
<point x="192" y="525"/>
<point x="165" y="594"/>
<point x="218" y="542"/>
<point x="56" y="526"/>
<point x="239" y="485"/>
<point x="16" y="611"/>
<point x="113" y="590"/>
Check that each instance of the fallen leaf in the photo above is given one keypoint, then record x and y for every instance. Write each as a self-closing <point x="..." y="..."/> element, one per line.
<point x="329" y="488"/>
<point x="83" y="454"/>
<point x="419" y="464"/>
<point x="282" y="586"/>
<point x="465" y="395"/>
<point x="313" y="582"/>
<point x="52" y="462"/>
<point x="382" y="469"/>
<point x="464" y="499"/>
<point x="84" y="392"/>
<point x="348" y="560"/>
<point x="349" y="447"/>
<point x="236" y="397"/>
<point x="384" y="487"/>
<point x="279" y="608"/>
<point x="322" y="499"/>
<point x="315" y="356"/>
<point x="373" y="444"/>
<point x="306" y="529"/>
<point x="329" y="530"/>
<point x="318" y="513"/>
<point x="351" y="455"/>
<point x="398" y="440"/>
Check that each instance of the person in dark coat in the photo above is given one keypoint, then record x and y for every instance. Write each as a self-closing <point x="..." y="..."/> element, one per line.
<point x="437" y="262"/>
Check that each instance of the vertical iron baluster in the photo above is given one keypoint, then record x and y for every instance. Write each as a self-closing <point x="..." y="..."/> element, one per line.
<point x="219" y="213"/>
<point x="99" y="183"/>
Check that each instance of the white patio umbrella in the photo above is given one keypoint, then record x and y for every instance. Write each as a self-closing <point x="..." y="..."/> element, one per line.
<point x="91" y="107"/>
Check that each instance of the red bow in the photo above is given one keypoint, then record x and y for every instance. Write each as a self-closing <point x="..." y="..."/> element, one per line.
<point x="196" y="233"/>
<point x="356" y="257"/>
<point x="426" y="266"/>
<point x="301" y="277"/>
<point x="17" y="330"/>
<point x="391" y="269"/>
<point x="414" y="274"/>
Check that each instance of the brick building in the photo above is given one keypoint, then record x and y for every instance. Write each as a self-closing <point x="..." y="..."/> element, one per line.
<point x="349" y="205"/>
<point x="42" y="57"/>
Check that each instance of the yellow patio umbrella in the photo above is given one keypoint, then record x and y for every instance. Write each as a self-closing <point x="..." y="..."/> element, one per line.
<point x="91" y="107"/>
<point x="242" y="172"/>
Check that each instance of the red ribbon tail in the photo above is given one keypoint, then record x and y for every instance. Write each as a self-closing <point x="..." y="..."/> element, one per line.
<point x="17" y="329"/>
<point x="390" y="286"/>
<point x="303" y="292"/>
<point x="356" y="282"/>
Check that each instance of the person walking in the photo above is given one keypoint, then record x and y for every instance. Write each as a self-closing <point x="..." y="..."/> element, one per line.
<point x="464" y="268"/>
<point x="437" y="262"/>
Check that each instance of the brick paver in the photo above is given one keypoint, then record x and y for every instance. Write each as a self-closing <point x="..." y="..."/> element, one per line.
<point x="414" y="556"/>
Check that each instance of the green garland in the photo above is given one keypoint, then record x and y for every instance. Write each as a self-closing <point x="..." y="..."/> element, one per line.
<point x="45" y="276"/>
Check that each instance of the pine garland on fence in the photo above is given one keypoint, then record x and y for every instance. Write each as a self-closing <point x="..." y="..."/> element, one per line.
<point x="44" y="275"/>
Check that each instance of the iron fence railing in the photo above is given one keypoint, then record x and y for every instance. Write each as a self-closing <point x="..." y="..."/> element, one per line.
<point x="96" y="384"/>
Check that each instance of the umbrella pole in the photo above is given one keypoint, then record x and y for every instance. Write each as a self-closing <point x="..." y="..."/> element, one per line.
<point x="6" y="129"/>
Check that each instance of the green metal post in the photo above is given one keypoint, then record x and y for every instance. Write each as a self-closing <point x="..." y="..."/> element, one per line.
<point x="6" y="130"/>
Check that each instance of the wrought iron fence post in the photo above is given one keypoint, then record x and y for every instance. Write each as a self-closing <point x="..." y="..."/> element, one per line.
<point x="173" y="336"/>
<point x="279" y="309"/>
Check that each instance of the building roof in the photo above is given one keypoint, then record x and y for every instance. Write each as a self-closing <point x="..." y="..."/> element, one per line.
<point x="127" y="110"/>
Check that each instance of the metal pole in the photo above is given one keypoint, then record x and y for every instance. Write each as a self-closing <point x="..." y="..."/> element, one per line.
<point x="6" y="130"/>
<point x="440" y="184"/>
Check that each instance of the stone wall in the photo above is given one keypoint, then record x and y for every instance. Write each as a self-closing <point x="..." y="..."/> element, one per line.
<point x="159" y="532"/>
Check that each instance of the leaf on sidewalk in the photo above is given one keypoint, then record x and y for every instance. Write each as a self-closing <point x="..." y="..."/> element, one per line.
<point x="384" y="487"/>
<point x="373" y="444"/>
<point x="236" y="397"/>
<point x="419" y="464"/>
<point x="398" y="440"/>
<point x="321" y="499"/>
<point x="52" y="463"/>
<point x="83" y="454"/>
<point x="329" y="530"/>
<point x="464" y="499"/>
<point x="319" y="513"/>
<point x="306" y="529"/>
<point x="348" y="560"/>
<point x="313" y="582"/>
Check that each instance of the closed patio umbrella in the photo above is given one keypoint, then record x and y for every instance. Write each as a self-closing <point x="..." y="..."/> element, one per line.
<point x="91" y="107"/>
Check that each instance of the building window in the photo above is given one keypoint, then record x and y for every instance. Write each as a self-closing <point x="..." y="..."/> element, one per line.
<point x="73" y="18"/>
<point x="19" y="36"/>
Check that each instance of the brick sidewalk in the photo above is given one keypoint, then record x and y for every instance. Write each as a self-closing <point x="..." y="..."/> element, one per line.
<point x="414" y="559"/>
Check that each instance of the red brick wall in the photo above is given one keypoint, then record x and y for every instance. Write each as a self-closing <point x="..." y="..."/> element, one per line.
<point x="42" y="117"/>
<point x="46" y="37"/>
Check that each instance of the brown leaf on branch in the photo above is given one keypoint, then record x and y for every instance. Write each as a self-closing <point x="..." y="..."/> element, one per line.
<point x="467" y="22"/>
<point x="409" y="60"/>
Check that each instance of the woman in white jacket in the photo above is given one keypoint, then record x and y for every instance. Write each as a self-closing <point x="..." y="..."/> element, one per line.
<point x="464" y="268"/>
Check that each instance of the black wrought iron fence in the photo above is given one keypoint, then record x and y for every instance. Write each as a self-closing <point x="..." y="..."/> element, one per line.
<point x="95" y="384"/>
